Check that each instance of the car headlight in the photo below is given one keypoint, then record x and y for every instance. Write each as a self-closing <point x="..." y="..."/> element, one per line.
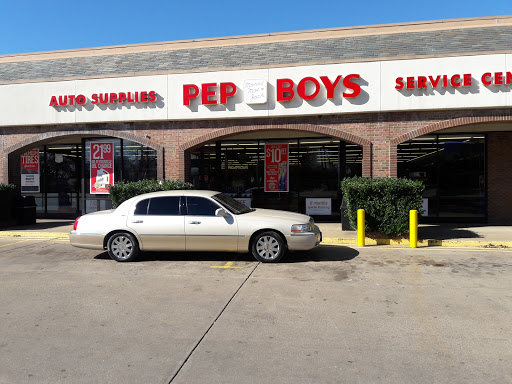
<point x="300" y="228"/>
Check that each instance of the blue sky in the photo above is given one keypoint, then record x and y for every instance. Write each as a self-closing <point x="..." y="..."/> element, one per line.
<point x="39" y="25"/>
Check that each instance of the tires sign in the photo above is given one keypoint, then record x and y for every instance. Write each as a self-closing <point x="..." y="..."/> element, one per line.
<point x="30" y="171"/>
<point x="102" y="167"/>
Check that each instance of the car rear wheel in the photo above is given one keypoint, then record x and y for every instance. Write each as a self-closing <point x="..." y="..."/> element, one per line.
<point x="123" y="247"/>
<point x="268" y="247"/>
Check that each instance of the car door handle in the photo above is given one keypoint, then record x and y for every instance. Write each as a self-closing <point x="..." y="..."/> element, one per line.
<point x="194" y="222"/>
<point x="137" y="221"/>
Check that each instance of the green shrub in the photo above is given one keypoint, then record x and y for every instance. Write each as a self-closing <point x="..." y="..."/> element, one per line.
<point x="386" y="202"/>
<point x="124" y="190"/>
<point x="7" y="187"/>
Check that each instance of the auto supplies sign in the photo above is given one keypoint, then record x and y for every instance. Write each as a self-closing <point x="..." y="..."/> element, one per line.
<point x="276" y="168"/>
<point x="102" y="166"/>
<point x="30" y="171"/>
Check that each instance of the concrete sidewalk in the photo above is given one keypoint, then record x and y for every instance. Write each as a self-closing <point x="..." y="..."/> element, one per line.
<point x="452" y="235"/>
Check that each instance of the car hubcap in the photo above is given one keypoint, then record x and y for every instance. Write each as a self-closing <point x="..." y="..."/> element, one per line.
<point x="267" y="247"/>
<point x="122" y="247"/>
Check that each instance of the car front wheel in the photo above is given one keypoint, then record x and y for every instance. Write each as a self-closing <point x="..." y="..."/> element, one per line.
<point x="123" y="247"/>
<point x="268" y="247"/>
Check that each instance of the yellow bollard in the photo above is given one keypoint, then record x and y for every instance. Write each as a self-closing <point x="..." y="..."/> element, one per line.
<point x="413" y="228"/>
<point x="360" y="227"/>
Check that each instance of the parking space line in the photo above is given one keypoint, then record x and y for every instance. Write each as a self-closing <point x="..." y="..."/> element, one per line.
<point x="17" y="242"/>
<point x="228" y="265"/>
<point x="213" y="322"/>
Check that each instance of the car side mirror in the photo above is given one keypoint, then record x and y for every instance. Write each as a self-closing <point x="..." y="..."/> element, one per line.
<point x="221" y="212"/>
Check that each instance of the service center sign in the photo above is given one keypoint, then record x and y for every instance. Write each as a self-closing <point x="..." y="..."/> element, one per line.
<point x="276" y="168"/>
<point x="102" y="166"/>
<point x="30" y="171"/>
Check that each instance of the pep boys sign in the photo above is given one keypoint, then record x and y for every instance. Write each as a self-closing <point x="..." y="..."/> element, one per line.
<point x="308" y="88"/>
<point x="212" y="93"/>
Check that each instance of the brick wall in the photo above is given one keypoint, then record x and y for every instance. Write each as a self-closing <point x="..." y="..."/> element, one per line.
<point x="377" y="133"/>
<point x="499" y="165"/>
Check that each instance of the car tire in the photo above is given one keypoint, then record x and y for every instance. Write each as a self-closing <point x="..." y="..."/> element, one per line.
<point x="123" y="247"/>
<point x="268" y="247"/>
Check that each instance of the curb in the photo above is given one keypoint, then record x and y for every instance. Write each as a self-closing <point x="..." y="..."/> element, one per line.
<point x="35" y="235"/>
<point x="326" y="240"/>
<point x="422" y="243"/>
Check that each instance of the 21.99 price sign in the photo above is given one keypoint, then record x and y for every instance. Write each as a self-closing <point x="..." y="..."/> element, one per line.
<point x="276" y="167"/>
<point x="102" y="166"/>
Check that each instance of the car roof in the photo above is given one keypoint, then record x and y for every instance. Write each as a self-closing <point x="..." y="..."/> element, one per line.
<point x="180" y="192"/>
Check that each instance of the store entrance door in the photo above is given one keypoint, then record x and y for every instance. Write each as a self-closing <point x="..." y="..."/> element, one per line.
<point x="62" y="168"/>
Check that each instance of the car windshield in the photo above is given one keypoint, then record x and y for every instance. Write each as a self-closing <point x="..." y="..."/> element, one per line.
<point x="234" y="206"/>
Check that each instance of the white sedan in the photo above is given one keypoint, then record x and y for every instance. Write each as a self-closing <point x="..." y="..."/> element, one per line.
<point x="194" y="221"/>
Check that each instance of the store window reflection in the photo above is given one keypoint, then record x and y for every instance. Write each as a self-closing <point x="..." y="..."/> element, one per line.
<point x="100" y="202"/>
<point x="316" y="166"/>
<point x="63" y="166"/>
<point x="139" y="161"/>
<point x="61" y="178"/>
<point x="453" y="170"/>
<point x="132" y="162"/>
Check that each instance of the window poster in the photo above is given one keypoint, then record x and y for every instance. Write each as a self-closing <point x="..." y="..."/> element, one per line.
<point x="102" y="166"/>
<point x="318" y="206"/>
<point x="244" y="200"/>
<point x="30" y="171"/>
<point x="276" y="168"/>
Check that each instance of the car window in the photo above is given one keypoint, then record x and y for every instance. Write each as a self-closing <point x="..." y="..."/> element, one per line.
<point x="164" y="206"/>
<point x="231" y="204"/>
<point x="199" y="206"/>
<point x="142" y="207"/>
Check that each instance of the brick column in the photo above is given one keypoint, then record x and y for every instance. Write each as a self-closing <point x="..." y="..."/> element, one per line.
<point x="381" y="160"/>
<point x="4" y="167"/>
<point x="367" y="160"/>
<point x="172" y="162"/>
<point x="393" y="160"/>
<point x="499" y="177"/>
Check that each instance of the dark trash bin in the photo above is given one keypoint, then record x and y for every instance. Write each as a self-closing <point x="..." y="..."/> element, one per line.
<point x="7" y="208"/>
<point x="345" y="223"/>
<point x="26" y="210"/>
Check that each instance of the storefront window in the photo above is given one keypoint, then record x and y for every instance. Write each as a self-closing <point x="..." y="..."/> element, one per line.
<point x="139" y="161"/>
<point x="452" y="168"/>
<point x="62" y="178"/>
<point x="205" y="167"/>
<point x="132" y="162"/>
<point x="39" y="197"/>
<point x="99" y="202"/>
<point x="62" y="170"/>
<point x="241" y="166"/>
<point x="315" y="166"/>
<point x="318" y="161"/>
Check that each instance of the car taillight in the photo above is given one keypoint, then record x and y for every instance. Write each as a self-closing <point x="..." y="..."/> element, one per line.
<point x="76" y="223"/>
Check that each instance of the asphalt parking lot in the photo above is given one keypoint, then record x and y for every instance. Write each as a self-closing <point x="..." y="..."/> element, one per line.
<point x="337" y="314"/>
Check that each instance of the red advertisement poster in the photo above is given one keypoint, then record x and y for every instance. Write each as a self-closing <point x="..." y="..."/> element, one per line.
<point x="30" y="171"/>
<point x="276" y="167"/>
<point x="102" y="166"/>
